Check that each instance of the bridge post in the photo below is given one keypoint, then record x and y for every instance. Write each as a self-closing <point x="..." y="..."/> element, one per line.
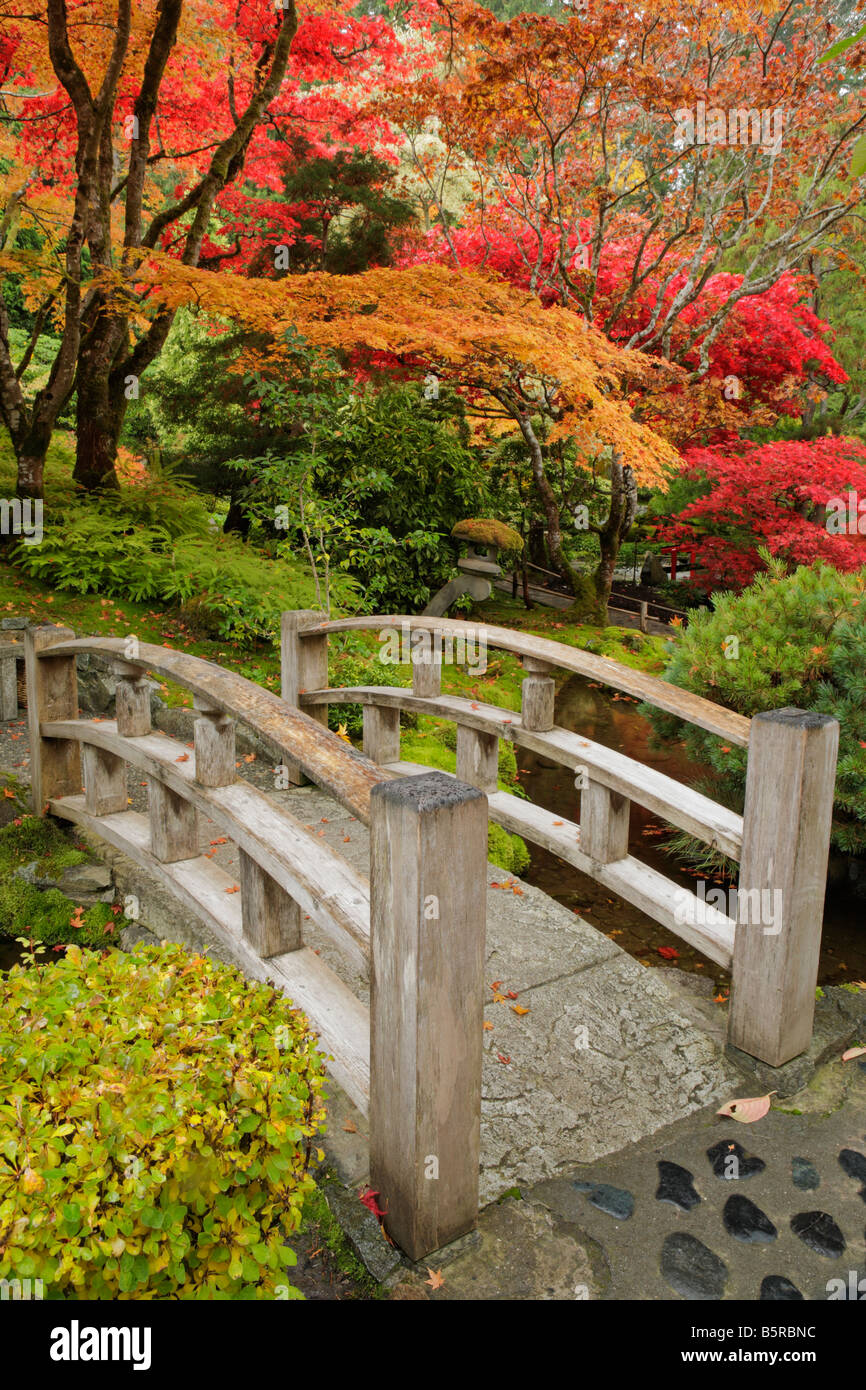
<point x="382" y="734"/>
<point x="214" y="735"/>
<point x="52" y="693"/>
<point x="790" y="781"/>
<point x="538" y="694"/>
<point x="428" y="891"/>
<point x="303" y="666"/>
<point x="132" y="700"/>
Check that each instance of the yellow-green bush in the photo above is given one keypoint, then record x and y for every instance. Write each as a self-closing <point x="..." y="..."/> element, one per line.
<point x="156" y="1128"/>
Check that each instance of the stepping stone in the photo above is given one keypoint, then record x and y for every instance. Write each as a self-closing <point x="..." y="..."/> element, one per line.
<point x="691" y="1269"/>
<point x="676" y="1185"/>
<point x="777" y="1289"/>
<point x="730" y="1161"/>
<point x="615" y="1201"/>
<point x="805" y="1174"/>
<point x="854" y="1164"/>
<point x="820" y="1232"/>
<point x="744" y="1221"/>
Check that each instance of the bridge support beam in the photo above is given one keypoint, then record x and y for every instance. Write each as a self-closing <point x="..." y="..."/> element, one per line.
<point x="52" y="693"/>
<point x="303" y="666"/>
<point x="790" y="781"/>
<point x="105" y="790"/>
<point x="382" y="734"/>
<point x="272" y="920"/>
<point x="428" y="891"/>
<point x="214" y="734"/>
<point x="173" y="824"/>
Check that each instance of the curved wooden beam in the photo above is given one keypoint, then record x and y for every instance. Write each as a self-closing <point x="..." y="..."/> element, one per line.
<point x="694" y="709"/>
<point x="321" y="755"/>
<point x="675" y="802"/>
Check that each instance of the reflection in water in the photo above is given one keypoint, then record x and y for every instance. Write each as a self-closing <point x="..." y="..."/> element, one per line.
<point x="613" y="720"/>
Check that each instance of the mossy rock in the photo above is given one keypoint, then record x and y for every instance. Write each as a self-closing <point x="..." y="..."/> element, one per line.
<point x="488" y="531"/>
<point x="507" y="851"/>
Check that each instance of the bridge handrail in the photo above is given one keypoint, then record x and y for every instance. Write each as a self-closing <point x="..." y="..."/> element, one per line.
<point x="694" y="709"/>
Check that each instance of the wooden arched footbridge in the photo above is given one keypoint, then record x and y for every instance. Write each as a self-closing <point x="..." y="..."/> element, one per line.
<point x="412" y="1061"/>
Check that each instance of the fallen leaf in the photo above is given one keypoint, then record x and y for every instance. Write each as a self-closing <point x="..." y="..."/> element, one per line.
<point x="350" y="1128"/>
<point x="503" y="1060"/>
<point x="747" y="1111"/>
<point x="511" y="994"/>
<point x="852" y="1053"/>
<point x="368" y="1197"/>
<point x="488" y="1027"/>
<point x="435" y="1281"/>
<point x="499" y="998"/>
<point x="519" y="1009"/>
<point x="236" y="889"/>
<point x="497" y="984"/>
<point x="669" y="952"/>
<point x="184" y="758"/>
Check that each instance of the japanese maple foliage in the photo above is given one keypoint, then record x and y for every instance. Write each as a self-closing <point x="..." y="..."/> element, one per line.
<point x="772" y="496"/>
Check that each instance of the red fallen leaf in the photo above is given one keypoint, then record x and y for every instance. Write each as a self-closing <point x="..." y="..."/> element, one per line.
<point x="669" y="952"/>
<point x="504" y="1060"/>
<point x="496" y="984"/>
<point x="509" y="994"/>
<point x="368" y="1197"/>
<point x="184" y="758"/>
<point x="236" y="889"/>
<point x="221" y="841"/>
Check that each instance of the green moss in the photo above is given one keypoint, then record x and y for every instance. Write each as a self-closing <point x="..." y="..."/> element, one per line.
<point x="318" y="1214"/>
<point x="45" y="914"/>
<point x="507" y="851"/>
<point x="488" y="531"/>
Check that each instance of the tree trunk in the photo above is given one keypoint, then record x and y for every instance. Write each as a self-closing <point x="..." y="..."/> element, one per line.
<point x="99" y="421"/>
<point x="623" y="509"/>
<point x="550" y="506"/>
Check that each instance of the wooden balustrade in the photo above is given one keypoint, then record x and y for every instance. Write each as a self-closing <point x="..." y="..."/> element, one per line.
<point x="771" y="942"/>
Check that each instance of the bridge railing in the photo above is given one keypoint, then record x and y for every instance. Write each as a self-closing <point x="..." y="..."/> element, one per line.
<point x="412" y="1060"/>
<point x="770" y="940"/>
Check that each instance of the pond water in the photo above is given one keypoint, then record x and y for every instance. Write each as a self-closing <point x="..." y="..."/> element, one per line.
<point x="614" y="721"/>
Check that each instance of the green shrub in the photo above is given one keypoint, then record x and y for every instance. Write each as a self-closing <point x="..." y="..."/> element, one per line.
<point x="155" y="1129"/>
<point x="798" y="639"/>
<point x="154" y="543"/>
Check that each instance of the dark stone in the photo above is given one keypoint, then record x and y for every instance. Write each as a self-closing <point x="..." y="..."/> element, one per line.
<point x="820" y="1232"/>
<point x="777" y="1289"/>
<point x="14" y="624"/>
<point x="731" y="1162"/>
<point x="854" y="1164"/>
<point x="805" y="1174"/>
<point x="615" y="1201"/>
<point x="744" y="1221"/>
<point x="676" y="1185"/>
<point x="429" y="791"/>
<point x="691" y="1269"/>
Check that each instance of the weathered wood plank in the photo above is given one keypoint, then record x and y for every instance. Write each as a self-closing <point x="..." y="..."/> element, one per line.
<point x="790" y="782"/>
<point x="477" y="759"/>
<point x="132" y="707"/>
<point x="105" y="788"/>
<point x="215" y="750"/>
<point x="9" y="680"/>
<point x="340" y="1019"/>
<point x="537" y="700"/>
<point x="320" y="754"/>
<point x="604" y="822"/>
<point x="674" y="801"/>
<point x="173" y="824"/>
<point x="271" y="919"/>
<point x="694" y="709"/>
<point x="52" y="693"/>
<point x="381" y="734"/>
<point x="328" y="889"/>
<point x="675" y="908"/>
<point x="428" y="902"/>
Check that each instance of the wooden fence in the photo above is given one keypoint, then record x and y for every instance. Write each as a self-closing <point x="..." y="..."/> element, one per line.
<point x="412" y="1062"/>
